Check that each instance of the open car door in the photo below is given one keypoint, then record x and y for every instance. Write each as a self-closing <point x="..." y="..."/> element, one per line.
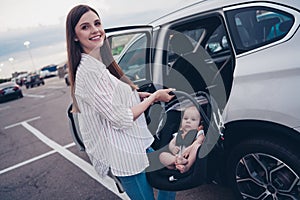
<point x="131" y="48"/>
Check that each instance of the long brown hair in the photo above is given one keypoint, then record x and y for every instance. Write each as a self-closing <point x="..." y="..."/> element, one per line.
<point x="74" y="51"/>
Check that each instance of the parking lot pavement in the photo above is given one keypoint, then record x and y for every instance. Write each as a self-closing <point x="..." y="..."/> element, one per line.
<point x="206" y="192"/>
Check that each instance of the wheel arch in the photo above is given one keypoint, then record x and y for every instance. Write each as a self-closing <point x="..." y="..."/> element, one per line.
<point x="238" y="131"/>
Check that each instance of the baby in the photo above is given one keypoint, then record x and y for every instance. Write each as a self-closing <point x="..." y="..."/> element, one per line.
<point x="183" y="147"/>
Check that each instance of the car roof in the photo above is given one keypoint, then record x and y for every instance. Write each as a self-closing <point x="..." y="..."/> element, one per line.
<point x="7" y="84"/>
<point x="191" y="7"/>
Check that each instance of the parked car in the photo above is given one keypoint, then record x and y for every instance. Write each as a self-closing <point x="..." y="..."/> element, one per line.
<point x="49" y="71"/>
<point x="9" y="91"/>
<point x="44" y="73"/>
<point x="242" y="55"/>
<point x="21" y="79"/>
<point x="34" y="80"/>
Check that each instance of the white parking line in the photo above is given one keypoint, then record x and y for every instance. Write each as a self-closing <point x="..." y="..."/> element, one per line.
<point x="82" y="164"/>
<point x="34" y="95"/>
<point x="55" y="87"/>
<point x="20" y="123"/>
<point x="33" y="159"/>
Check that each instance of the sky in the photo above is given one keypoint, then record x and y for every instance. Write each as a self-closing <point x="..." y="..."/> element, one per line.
<point x="42" y="23"/>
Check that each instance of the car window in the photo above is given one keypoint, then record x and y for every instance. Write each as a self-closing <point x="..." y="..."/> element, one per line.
<point x="130" y="52"/>
<point x="257" y="26"/>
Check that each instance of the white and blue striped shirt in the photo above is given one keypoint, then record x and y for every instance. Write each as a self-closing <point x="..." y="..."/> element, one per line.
<point x="111" y="137"/>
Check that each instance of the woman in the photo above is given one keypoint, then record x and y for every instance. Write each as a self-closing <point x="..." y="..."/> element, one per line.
<point x="110" y="116"/>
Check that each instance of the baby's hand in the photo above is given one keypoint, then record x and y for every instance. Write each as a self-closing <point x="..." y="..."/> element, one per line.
<point x="175" y="150"/>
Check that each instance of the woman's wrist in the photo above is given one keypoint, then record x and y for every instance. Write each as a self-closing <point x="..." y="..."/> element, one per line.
<point x="153" y="97"/>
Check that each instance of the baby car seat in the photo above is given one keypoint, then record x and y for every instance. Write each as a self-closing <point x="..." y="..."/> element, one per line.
<point x="163" y="178"/>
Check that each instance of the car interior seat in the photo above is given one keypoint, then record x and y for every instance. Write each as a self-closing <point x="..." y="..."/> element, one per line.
<point x="180" y="45"/>
<point x="246" y="39"/>
<point x="196" y="68"/>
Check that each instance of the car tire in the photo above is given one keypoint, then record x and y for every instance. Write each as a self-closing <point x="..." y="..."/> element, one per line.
<point x="264" y="169"/>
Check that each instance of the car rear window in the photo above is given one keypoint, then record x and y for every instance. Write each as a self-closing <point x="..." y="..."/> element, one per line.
<point x="257" y="26"/>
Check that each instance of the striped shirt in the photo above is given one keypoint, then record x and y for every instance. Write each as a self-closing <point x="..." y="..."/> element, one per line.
<point x="111" y="137"/>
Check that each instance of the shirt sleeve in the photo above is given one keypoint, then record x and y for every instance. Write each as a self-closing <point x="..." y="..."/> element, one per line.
<point x="109" y="97"/>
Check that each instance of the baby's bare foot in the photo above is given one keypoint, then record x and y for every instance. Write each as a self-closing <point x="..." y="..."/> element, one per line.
<point x="182" y="168"/>
<point x="181" y="160"/>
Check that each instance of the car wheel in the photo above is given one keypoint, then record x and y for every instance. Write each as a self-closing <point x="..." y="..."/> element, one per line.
<point x="264" y="169"/>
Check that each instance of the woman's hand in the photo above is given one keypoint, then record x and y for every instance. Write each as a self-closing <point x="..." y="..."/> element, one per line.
<point x="144" y="95"/>
<point x="159" y="95"/>
<point x="163" y="95"/>
<point x="187" y="152"/>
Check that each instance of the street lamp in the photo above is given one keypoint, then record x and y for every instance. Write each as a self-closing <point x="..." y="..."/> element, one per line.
<point x="26" y="44"/>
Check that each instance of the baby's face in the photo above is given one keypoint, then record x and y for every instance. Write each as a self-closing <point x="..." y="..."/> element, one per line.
<point x="191" y="119"/>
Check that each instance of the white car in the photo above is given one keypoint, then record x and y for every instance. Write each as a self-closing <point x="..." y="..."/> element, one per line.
<point x="44" y="73"/>
<point x="245" y="54"/>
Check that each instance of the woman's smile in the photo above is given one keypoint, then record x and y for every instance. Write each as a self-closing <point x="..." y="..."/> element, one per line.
<point x="96" y="38"/>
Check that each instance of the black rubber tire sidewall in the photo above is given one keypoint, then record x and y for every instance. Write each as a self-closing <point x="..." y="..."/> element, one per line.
<point x="283" y="151"/>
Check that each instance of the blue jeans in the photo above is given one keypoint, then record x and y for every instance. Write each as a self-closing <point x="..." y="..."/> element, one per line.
<point x="137" y="188"/>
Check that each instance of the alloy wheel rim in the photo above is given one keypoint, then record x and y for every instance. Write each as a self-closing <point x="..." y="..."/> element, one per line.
<point x="262" y="176"/>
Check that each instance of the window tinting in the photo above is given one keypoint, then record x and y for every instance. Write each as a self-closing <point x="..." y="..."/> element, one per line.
<point x="257" y="26"/>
